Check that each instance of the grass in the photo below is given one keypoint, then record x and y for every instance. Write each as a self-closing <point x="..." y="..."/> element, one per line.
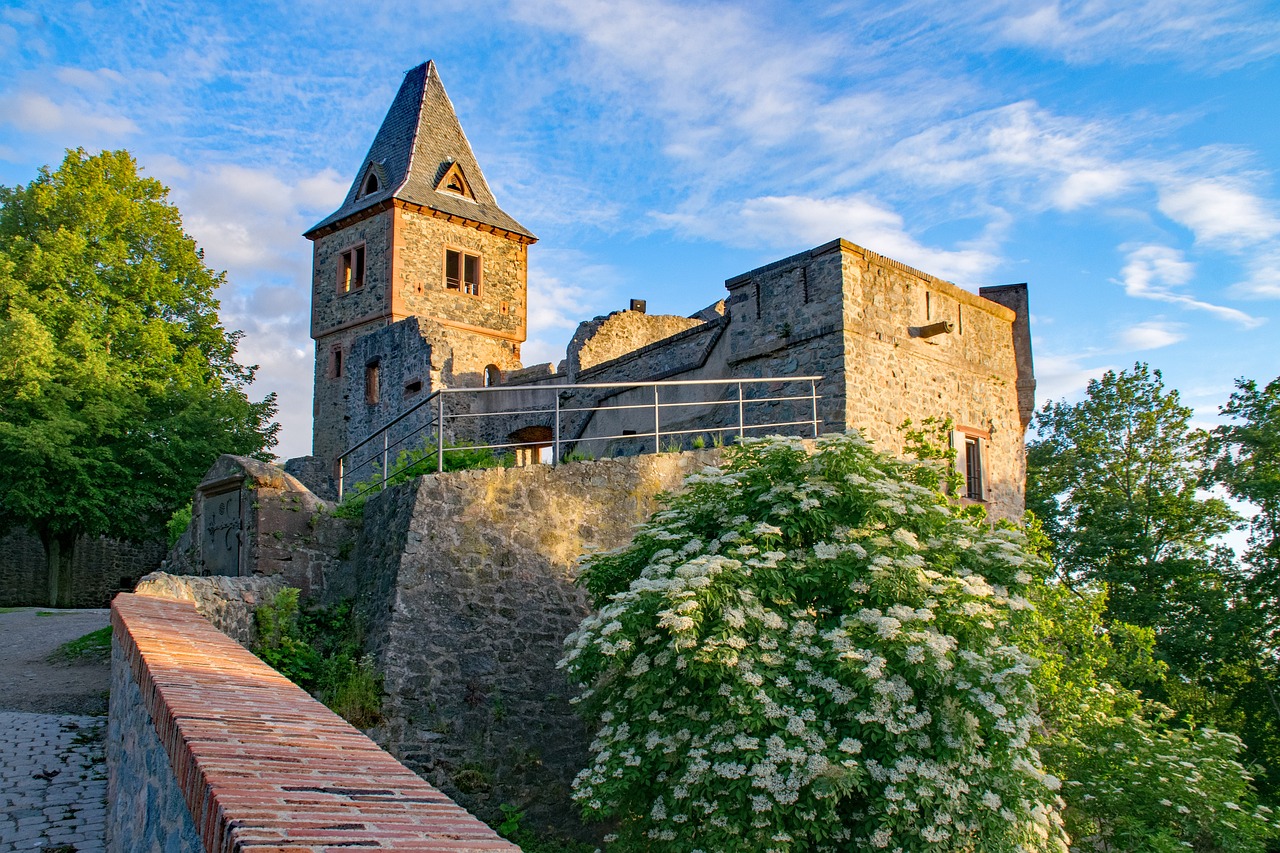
<point x="93" y="646"/>
<point x="11" y="609"/>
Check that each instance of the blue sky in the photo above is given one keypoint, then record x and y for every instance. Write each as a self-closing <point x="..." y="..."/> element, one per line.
<point x="1120" y="156"/>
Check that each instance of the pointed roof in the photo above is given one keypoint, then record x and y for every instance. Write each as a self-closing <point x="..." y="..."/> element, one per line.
<point x="418" y="145"/>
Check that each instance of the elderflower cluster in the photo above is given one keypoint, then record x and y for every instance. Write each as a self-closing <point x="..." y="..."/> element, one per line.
<point x="806" y="651"/>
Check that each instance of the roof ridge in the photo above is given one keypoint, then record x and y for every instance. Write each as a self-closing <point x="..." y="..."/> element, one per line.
<point x="417" y="126"/>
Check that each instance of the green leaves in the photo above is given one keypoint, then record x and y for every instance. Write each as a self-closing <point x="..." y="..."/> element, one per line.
<point x="118" y="384"/>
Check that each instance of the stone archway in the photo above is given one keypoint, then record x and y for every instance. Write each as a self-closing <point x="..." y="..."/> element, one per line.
<point x="534" y="444"/>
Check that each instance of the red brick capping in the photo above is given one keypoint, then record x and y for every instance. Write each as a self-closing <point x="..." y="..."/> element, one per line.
<point x="263" y="766"/>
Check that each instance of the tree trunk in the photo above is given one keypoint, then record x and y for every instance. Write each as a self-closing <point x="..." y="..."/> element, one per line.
<point x="60" y="549"/>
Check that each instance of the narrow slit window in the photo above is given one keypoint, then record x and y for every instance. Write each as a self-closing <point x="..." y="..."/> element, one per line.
<point x="337" y="363"/>
<point x="371" y="383"/>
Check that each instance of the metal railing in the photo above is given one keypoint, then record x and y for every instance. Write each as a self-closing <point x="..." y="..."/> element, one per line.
<point x="379" y="458"/>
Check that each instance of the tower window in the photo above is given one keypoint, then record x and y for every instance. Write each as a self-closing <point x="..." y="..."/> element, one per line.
<point x="336" y="372"/>
<point x="970" y="446"/>
<point x="462" y="272"/>
<point x="371" y="383"/>
<point x="351" y="270"/>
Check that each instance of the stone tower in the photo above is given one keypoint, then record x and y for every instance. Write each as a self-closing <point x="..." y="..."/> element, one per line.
<point x="419" y="279"/>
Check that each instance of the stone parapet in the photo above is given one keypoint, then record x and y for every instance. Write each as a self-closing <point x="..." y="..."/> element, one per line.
<point x="199" y="724"/>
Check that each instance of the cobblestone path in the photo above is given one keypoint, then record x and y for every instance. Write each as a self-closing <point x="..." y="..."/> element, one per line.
<point x="53" y="783"/>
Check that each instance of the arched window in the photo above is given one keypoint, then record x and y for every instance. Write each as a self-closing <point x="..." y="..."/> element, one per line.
<point x="370" y="184"/>
<point x="492" y="376"/>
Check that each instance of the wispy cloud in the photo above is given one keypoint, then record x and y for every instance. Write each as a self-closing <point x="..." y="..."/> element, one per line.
<point x="1157" y="272"/>
<point x="1151" y="334"/>
<point x="1198" y="33"/>
<point x="1060" y="377"/>
<point x="1220" y="212"/>
<point x="558" y="301"/>
<point x="32" y="112"/>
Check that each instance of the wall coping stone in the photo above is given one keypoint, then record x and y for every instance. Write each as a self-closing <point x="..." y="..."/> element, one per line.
<point x="263" y="766"/>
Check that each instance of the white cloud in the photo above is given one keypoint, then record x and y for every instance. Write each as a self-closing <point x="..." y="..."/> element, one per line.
<point x="1087" y="186"/>
<point x="1060" y="377"/>
<point x="1220" y="213"/>
<point x="97" y="81"/>
<point x="799" y="222"/>
<point x="559" y="301"/>
<point x="1263" y="281"/>
<point x="30" y="112"/>
<point x="1151" y="334"/>
<point x="1155" y="272"/>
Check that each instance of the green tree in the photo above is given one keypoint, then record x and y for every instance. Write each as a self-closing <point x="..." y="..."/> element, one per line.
<point x="1246" y="460"/>
<point x="1116" y="480"/>
<point x="118" y="384"/>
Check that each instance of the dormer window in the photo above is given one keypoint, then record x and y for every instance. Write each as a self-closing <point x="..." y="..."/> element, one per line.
<point x="454" y="181"/>
<point x="370" y="184"/>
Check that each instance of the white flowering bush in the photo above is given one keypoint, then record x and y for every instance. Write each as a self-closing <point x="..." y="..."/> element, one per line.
<point x="1132" y="784"/>
<point x="808" y="651"/>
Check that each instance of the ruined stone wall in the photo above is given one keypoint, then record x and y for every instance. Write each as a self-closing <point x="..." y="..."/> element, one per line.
<point x="228" y="603"/>
<point x="859" y="319"/>
<point x="250" y="518"/>
<point x="620" y="333"/>
<point x="467" y="585"/>
<point x="100" y="567"/>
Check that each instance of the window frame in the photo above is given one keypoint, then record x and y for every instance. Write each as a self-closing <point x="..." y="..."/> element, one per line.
<point x="351" y="259"/>
<point x="968" y="442"/>
<point x="462" y="286"/>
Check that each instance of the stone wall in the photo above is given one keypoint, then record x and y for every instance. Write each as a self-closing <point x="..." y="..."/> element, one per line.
<point x="100" y="567"/>
<point x="209" y="749"/>
<point x="622" y="332"/>
<point x="228" y="603"/>
<point x="251" y="518"/>
<point x="500" y="309"/>
<point x="140" y="774"/>
<point x="467" y="586"/>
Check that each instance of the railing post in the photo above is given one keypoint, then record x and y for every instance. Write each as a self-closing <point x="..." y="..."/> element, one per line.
<point x="439" y="431"/>
<point x="341" y="475"/>
<point x="657" y="431"/>
<point x="740" y="418"/>
<point x="813" y="394"/>
<point x="555" y="436"/>
<point x="384" y="460"/>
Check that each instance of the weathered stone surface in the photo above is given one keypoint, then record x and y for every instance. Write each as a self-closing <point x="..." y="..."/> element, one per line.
<point x="228" y="603"/>
<point x="277" y="526"/>
<point x="606" y="338"/>
<point x="146" y="810"/>
<point x="467" y="586"/>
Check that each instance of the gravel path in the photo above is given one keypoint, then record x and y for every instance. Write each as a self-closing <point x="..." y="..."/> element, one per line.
<point x="53" y="786"/>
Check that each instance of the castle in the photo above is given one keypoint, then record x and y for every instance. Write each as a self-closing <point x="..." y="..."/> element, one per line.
<point x="420" y="283"/>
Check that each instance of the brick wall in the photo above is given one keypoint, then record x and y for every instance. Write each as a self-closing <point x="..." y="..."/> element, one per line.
<point x="197" y="721"/>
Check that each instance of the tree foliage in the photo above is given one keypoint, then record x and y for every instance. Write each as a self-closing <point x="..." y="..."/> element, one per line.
<point x="1246" y="459"/>
<point x="1116" y="480"/>
<point x="118" y="384"/>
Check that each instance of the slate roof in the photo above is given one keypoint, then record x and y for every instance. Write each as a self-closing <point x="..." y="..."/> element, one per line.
<point x="419" y="140"/>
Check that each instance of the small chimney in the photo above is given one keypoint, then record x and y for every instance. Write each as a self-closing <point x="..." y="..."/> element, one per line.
<point x="638" y="305"/>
